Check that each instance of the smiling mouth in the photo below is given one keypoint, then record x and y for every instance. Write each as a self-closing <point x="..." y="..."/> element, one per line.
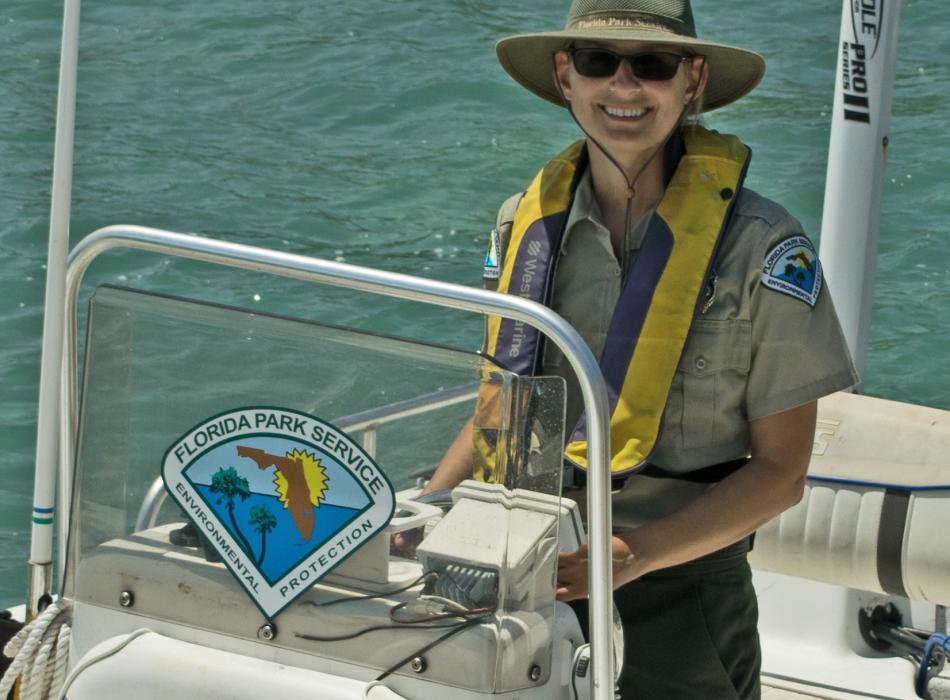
<point x="621" y="113"/>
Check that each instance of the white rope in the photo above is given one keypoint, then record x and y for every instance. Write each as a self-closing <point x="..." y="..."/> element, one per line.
<point x="62" y="657"/>
<point x="41" y="672"/>
<point x="40" y="652"/>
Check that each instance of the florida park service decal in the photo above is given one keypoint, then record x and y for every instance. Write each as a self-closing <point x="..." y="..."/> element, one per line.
<point x="283" y="497"/>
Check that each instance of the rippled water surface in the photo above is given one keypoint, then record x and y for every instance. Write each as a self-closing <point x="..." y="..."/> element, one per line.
<point x="385" y="134"/>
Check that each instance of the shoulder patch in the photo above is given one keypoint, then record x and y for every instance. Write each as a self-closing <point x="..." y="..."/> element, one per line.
<point x="791" y="267"/>
<point x="492" y="269"/>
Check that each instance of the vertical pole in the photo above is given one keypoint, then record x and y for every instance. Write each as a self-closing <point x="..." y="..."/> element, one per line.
<point x="369" y="440"/>
<point x="600" y="544"/>
<point x="51" y="363"/>
<point x="867" y="53"/>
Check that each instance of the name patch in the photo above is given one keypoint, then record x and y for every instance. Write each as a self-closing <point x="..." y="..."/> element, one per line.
<point x="792" y="268"/>
<point x="282" y="496"/>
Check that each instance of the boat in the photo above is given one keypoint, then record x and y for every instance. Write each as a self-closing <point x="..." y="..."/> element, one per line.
<point x="225" y="512"/>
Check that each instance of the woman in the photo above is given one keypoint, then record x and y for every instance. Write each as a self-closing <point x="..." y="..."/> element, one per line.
<point x="706" y="305"/>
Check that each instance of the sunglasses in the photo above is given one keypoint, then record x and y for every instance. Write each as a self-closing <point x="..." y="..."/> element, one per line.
<point x="646" y="65"/>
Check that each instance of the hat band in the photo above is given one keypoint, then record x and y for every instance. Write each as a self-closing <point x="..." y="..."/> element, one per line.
<point x="629" y="20"/>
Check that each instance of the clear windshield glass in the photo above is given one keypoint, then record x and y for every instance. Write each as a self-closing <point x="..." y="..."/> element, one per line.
<point x="236" y="468"/>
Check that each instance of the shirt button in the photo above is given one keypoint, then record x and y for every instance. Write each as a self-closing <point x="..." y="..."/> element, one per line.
<point x="701" y="363"/>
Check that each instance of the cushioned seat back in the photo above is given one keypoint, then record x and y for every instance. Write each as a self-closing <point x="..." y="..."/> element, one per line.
<point x="876" y="504"/>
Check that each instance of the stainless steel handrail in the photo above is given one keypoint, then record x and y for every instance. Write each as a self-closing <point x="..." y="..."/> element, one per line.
<point x="151" y="503"/>
<point x="593" y="389"/>
<point x="424" y="403"/>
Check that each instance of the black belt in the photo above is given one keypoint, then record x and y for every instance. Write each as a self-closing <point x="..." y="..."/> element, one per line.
<point x="706" y="475"/>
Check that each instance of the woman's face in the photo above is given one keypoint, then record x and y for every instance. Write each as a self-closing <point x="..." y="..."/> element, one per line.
<point x="629" y="115"/>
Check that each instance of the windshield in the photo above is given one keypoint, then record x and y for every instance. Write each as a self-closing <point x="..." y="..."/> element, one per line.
<point x="238" y="469"/>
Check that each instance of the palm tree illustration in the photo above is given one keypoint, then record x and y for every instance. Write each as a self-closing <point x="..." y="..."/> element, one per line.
<point x="263" y="521"/>
<point x="229" y="484"/>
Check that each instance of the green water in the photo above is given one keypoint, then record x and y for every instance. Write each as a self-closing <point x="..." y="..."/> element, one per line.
<point x="385" y="134"/>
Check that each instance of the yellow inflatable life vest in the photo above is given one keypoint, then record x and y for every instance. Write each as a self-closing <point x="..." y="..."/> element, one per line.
<point x="658" y="300"/>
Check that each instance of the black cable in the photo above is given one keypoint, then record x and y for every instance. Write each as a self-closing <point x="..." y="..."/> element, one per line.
<point x="367" y="630"/>
<point x="462" y="612"/>
<point x="906" y="641"/>
<point x="419" y="623"/>
<point x="574" y="684"/>
<point x="458" y="628"/>
<point x="369" y="596"/>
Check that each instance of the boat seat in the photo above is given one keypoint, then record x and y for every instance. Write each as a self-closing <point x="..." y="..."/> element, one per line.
<point x="187" y="670"/>
<point x="876" y="502"/>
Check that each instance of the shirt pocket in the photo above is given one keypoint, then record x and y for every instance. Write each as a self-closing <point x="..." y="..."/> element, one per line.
<point x="707" y="399"/>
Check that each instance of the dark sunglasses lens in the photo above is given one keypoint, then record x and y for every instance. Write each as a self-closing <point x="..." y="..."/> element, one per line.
<point x="595" y="63"/>
<point x="601" y="63"/>
<point x="656" y="66"/>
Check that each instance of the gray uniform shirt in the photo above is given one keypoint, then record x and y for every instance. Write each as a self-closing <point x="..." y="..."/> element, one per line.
<point x="751" y="353"/>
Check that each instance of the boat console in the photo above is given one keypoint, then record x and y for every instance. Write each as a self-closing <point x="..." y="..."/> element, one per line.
<point x="241" y="480"/>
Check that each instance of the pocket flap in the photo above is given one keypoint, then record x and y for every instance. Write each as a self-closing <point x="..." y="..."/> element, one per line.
<point x="716" y="346"/>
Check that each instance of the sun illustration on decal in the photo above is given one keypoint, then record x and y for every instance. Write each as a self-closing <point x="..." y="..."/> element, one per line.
<point x="301" y="483"/>
<point x="313" y="473"/>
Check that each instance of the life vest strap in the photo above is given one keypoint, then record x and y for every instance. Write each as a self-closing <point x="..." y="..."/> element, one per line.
<point x="712" y="474"/>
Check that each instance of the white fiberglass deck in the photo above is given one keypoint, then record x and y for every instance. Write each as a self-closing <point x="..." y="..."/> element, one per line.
<point x="939" y="690"/>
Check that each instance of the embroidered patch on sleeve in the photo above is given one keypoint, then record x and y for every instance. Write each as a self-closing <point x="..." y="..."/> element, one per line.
<point x="792" y="268"/>
<point x="492" y="269"/>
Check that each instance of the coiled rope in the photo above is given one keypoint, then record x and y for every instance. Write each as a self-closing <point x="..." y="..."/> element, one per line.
<point x="40" y="652"/>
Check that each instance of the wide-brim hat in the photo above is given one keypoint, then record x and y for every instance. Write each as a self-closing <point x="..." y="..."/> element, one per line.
<point x="528" y="58"/>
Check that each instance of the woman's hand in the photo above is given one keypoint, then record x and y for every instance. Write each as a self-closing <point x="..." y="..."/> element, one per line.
<point x="572" y="569"/>
<point x="404" y="544"/>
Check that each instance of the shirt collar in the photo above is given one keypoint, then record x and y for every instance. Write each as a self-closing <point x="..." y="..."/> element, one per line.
<point x="584" y="207"/>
